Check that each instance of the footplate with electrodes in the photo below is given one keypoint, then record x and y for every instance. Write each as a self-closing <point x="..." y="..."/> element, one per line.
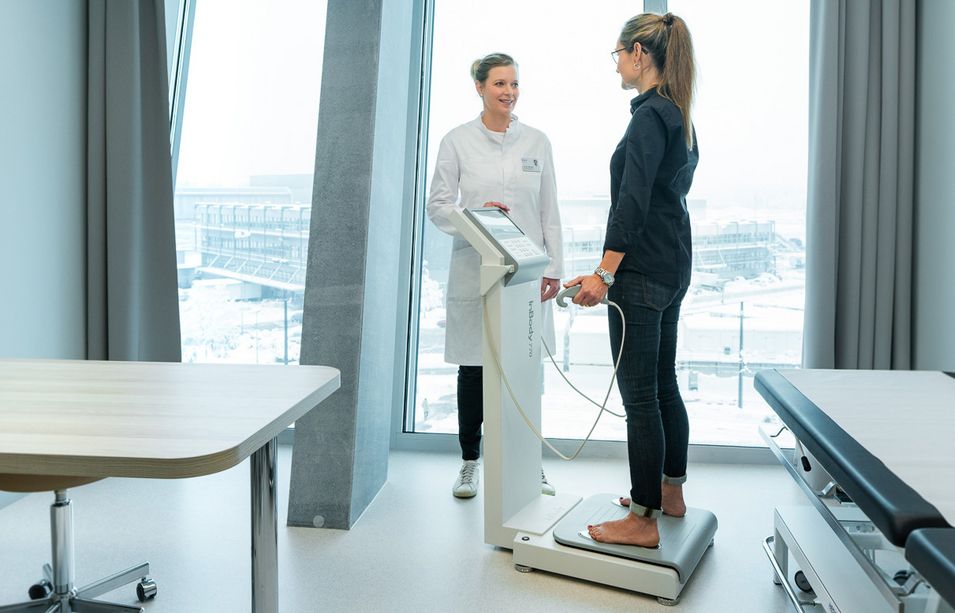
<point x="683" y="540"/>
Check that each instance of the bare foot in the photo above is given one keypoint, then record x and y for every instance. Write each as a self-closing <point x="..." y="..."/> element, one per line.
<point x="631" y="530"/>
<point x="673" y="499"/>
<point x="673" y="504"/>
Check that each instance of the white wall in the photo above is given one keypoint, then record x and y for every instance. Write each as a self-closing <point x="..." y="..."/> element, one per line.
<point x="935" y="188"/>
<point x="42" y="178"/>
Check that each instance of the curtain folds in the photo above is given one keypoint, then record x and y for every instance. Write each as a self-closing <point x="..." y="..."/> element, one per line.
<point x="859" y="228"/>
<point x="132" y="302"/>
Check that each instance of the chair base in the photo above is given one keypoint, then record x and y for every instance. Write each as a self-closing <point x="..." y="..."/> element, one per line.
<point x="83" y="599"/>
<point x="76" y="605"/>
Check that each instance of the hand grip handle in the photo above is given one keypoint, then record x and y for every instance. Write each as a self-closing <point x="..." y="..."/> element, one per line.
<point x="570" y="292"/>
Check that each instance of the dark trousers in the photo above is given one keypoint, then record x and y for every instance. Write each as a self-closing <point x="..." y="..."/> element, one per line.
<point x="470" y="410"/>
<point x="657" y="426"/>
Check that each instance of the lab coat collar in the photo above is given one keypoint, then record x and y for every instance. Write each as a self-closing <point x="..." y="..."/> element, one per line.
<point x="513" y="130"/>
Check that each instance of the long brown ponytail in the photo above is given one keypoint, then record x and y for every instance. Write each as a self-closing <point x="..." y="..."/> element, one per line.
<point x="667" y="40"/>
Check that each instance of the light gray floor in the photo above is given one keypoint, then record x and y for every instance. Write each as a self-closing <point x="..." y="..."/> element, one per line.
<point x="415" y="549"/>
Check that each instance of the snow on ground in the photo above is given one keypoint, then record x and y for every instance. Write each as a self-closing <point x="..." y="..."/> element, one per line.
<point x="217" y="326"/>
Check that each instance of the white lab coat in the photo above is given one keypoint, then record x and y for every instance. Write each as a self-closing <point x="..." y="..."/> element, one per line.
<point x="516" y="168"/>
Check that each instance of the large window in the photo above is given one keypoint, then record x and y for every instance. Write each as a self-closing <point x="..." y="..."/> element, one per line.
<point x="744" y="310"/>
<point x="244" y="179"/>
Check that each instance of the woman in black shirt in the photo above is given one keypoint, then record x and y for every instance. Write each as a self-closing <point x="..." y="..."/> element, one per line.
<point x="646" y="267"/>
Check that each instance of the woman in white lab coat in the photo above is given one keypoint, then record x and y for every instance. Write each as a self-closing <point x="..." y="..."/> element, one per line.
<point x="491" y="161"/>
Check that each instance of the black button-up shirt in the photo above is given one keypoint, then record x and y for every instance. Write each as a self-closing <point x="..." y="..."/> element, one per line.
<point x="650" y="174"/>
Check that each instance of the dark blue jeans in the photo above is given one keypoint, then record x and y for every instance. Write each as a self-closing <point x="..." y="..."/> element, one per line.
<point x="657" y="426"/>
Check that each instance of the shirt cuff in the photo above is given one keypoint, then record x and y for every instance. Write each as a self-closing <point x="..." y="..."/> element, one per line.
<point x="554" y="271"/>
<point x="615" y="244"/>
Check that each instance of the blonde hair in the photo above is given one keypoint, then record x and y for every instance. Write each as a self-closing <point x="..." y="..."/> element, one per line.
<point x="667" y="40"/>
<point x="482" y="66"/>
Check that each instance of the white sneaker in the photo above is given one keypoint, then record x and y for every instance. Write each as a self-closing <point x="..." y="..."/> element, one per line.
<point x="546" y="488"/>
<point x="466" y="485"/>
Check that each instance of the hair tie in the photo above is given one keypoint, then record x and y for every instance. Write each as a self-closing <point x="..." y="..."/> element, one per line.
<point x="668" y="19"/>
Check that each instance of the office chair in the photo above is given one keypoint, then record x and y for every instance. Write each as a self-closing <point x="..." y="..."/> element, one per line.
<point x="55" y="593"/>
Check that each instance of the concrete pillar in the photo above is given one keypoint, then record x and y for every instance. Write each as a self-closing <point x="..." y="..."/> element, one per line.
<point x="367" y="130"/>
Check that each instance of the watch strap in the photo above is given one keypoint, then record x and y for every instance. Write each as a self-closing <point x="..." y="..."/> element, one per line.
<point x="605" y="276"/>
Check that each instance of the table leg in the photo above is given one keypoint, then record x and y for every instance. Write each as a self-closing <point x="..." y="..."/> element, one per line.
<point x="265" y="587"/>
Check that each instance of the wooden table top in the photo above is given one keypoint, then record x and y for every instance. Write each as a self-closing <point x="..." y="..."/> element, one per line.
<point x="147" y="419"/>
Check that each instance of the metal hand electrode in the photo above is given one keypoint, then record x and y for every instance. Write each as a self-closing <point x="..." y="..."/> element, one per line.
<point x="570" y="292"/>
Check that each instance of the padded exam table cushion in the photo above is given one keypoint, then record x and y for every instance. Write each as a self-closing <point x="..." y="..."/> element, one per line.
<point x="892" y="505"/>
<point x="932" y="553"/>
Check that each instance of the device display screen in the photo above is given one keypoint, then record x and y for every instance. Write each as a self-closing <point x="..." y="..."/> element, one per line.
<point x="497" y="224"/>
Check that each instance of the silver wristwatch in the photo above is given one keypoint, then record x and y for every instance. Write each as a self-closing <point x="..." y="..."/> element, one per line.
<point x="605" y="276"/>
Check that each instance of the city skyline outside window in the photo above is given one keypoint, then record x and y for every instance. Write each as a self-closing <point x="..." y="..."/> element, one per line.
<point x="745" y="307"/>
<point x="244" y="180"/>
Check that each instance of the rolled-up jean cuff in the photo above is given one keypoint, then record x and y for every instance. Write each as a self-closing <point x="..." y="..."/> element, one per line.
<point x="674" y="480"/>
<point x="641" y="511"/>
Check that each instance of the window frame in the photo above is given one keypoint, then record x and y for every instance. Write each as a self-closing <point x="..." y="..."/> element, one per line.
<point x="404" y="437"/>
<point x="179" y="75"/>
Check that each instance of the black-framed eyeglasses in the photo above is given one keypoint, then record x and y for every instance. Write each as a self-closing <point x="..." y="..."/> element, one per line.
<point x="615" y="54"/>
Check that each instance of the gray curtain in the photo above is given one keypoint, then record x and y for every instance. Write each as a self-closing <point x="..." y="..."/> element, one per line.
<point x="860" y="196"/>
<point x="132" y="303"/>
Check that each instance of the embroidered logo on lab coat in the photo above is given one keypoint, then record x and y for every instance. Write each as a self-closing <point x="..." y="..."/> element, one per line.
<point x="531" y="164"/>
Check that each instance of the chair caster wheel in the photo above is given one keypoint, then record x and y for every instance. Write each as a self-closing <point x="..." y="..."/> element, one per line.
<point x="522" y="569"/>
<point x="40" y="590"/>
<point x="146" y="589"/>
<point x="668" y="602"/>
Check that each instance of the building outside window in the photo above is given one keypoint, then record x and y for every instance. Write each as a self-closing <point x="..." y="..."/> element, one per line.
<point x="744" y="309"/>
<point x="244" y="178"/>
